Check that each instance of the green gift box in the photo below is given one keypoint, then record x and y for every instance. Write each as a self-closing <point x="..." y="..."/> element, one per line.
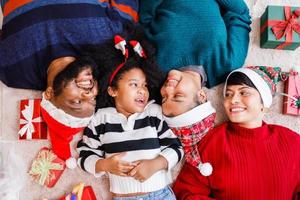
<point x="280" y="28"/>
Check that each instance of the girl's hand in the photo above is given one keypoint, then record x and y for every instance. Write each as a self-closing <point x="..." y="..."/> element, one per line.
<point x="146" y="168"/>
<point x="115" y="165"/>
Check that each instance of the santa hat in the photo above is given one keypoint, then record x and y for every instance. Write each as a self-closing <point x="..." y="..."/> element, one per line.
<point x="62" y="127"/>
<point x="190" y="130"/>
<point x="264" y="79"/>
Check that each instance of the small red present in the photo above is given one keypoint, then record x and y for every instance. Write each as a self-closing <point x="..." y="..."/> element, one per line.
<point x="88" y="193"/>
<point x="47" y="168"/>
<point x="291" y="101"/>
<point x="32" y="126"/>
<point x="80" y="192"/>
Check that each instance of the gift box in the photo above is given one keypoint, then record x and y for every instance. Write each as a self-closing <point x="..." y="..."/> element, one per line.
<point x="88" y="193"/>
<point x="280" y="28"/>
<point x="32" y="125"/>
<point x="80" y="192"/>
<point x="291" y="100"/>
<point x="47" y="168"/>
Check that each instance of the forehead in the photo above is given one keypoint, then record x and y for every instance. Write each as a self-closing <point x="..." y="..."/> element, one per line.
<point x="238" y="87"/>
<point x="70" y="89"/>
<point x="135" y="73"/>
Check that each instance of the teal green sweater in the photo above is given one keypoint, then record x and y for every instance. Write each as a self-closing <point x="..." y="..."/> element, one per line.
<point x="211" y="33"/>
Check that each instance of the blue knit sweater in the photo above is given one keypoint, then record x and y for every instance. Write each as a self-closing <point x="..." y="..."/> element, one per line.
<point x="38" y="32"/>
<point x="211" y="33"/>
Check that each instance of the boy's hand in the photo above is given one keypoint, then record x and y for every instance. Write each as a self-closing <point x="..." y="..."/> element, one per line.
<point x="115" y="165"/>
<point x="146" y="168"/>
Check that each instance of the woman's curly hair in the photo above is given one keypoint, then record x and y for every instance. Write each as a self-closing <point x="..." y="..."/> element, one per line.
<point x="108" y="58"/>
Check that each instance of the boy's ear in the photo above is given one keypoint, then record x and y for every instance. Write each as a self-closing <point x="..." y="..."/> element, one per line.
<point x="111" y="91"/>
<point x="201" y="96"/>
<point x="49" y="93"/>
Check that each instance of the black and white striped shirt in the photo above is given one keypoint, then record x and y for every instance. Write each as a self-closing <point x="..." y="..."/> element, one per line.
<point x="142" y="136"/>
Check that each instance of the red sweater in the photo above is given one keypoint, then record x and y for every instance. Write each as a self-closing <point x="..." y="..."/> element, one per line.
<point x="248" y="164"/>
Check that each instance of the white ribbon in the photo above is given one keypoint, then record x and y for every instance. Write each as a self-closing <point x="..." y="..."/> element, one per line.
<point x="27" y="113"/>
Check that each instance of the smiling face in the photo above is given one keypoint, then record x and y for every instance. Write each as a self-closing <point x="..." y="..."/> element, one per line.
<point x="131" y="94"/>
<point x="71" y="86"/>
<point x="243" y="105"/>
<point x="181" y="92"/>
<point x="78" y="98"/>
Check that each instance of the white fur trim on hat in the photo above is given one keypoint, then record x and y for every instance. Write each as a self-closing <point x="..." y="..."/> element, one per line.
<point x="258" y="82"/>
<point x="62" y="117"/>
<point x="71" y="163"/>
<point x="190" y="117"/>
<point x="205" y="169"/>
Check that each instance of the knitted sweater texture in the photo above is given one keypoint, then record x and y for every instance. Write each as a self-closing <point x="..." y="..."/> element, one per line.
<point x="142" y="136"/>
<point x="37" y="32"/>
<point x="249" y="164"/>
<point x="211" y="33"/>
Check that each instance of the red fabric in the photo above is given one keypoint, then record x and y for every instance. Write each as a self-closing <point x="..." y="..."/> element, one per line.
<point x="191" y="135"/>
<point x="40" y="128"/>
<point x="248" y="164"/>
<point x="285" y="27"/>
<point x="88" y="193"/>
<point x="60" y="135"/>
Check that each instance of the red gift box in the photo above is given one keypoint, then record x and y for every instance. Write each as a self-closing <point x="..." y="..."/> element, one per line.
<point x="32" y="126"/>
<point x="81" y="192"/>
<point x="88" y="193"/>
<point x="291" y="102"/>
<point x="47" y="168"/>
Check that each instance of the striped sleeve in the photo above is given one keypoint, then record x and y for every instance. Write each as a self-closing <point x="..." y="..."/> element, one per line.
<point x="90" y="149"/>
<point x="126" y="8"/>
<point x="37" y="32"/>
<point x="171" y="148"/>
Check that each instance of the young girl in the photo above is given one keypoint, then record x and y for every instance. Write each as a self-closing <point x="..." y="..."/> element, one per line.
<point x="251" y="159"/>
<point x="127" y="138"/>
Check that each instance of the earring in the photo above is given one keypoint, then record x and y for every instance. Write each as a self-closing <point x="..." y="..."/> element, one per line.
<point x="265" y="110"/>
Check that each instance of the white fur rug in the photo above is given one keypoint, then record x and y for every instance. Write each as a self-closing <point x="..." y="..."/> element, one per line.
<point x="19" y="154"/>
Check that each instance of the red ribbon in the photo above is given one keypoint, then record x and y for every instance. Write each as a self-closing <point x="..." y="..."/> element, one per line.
<point x="285" y="27"/>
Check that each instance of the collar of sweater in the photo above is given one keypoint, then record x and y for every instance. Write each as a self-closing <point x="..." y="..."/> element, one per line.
<point x="258" y="133"/>
<point x="193" y="116"/>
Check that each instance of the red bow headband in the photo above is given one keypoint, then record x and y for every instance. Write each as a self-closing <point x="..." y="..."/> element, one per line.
<point x="120" y="44"/>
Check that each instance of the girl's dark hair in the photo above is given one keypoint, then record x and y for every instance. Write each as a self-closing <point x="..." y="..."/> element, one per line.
<point x="239" y="78"/>
<point x="71" y="71"/>
<point x="108" y="58"/>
